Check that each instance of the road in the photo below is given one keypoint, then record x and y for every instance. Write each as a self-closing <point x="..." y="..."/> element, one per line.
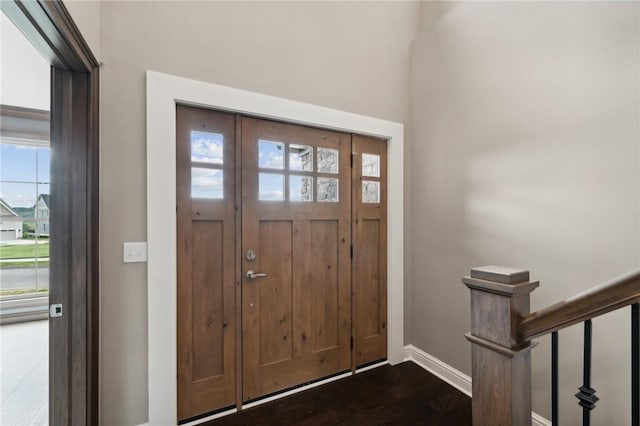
<point x="11" y="278"/>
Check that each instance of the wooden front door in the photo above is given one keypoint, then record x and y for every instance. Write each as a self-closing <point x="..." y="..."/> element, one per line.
<point x="265" y="226"/>
<point x="296" y="230"/>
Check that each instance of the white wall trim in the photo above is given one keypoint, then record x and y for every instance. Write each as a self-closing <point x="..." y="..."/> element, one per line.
<point x="163" y="92"/>
<point x="454" y="377"/>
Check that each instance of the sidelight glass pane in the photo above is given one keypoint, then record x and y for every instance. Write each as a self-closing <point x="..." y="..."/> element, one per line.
<point x="370" y="165"/>
<point x="300" y="158"/>
<point x="300" y="188"/>
<point x="327" y="160"/>
<point x="370" y="191"/>
<point x="271" y="187"/>
<point x="328" y="190"/>
<point x="207" y="147"/>
<point x="207" y="183"/>
<point x="270" y="155"/>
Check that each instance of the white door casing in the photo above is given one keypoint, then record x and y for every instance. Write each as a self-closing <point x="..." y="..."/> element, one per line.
<point x="163" y="93"/>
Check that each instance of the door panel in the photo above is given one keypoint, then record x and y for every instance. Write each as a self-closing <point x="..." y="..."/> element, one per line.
<point x="275" y="291"/>
<point x="370" y="249"/>
<point x="296" y="320"/>
<point x="207" y="298"/>
<point x="206" y="228"/>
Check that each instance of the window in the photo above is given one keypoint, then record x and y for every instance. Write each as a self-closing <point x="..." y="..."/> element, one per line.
<point x="24" y="218"/>
<point x="297" y="177"/>
<point x="207" y="159"/>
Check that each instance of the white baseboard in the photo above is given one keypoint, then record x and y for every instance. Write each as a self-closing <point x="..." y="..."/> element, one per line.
<point x="454" y="377"/>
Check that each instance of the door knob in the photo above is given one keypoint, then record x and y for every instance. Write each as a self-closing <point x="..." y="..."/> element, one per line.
<point x="251" y="274"/>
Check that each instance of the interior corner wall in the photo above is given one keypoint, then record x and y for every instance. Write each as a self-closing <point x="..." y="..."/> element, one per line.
<point x="352" y="56"/>
<point x="86" y="15"/>
<point x="525" y="153"/>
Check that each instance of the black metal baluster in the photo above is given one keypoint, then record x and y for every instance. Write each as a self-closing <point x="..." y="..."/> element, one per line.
<point x="635" y="364"/>
<point x="586" y="396"/>
<point x="554" y="378"/>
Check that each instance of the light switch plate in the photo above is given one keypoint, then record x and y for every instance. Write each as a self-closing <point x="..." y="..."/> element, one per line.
<point x="134" y="252"/>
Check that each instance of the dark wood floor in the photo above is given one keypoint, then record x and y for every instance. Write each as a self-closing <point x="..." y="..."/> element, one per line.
<point x="404" y="394"/>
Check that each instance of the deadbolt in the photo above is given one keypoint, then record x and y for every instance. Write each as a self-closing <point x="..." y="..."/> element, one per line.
<point x="251" y="255"/>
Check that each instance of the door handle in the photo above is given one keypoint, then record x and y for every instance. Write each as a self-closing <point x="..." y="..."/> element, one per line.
<point x="251" y="274"/>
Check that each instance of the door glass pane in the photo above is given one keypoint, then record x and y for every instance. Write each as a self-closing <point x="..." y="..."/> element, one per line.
<point x="270" y="155"/>
<point x="370" y="191"/>
<point x="206" y="183"/>
<point x="207" y="147"/>
<point x="370" y="165"/>
<point x="300" y="158"/>
<point x="327" y="160"/>
<point x="300" y="188"/>
<point x="328" y="190"/>
<point x="271" y="187"/>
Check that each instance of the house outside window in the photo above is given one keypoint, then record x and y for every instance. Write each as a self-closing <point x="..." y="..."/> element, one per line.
<point x="24" y="217"/>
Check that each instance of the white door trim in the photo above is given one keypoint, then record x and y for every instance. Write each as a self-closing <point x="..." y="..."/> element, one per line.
<point x="163" y="92"/>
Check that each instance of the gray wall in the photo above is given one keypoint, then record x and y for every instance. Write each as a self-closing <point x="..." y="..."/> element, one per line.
<point x="526" y="153"/>
<point x="523" y="143"/>
<point x="86" y="15"/>
<point x="348" y="56"/>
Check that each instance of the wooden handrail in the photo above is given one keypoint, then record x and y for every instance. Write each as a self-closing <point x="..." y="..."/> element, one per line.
<point x="597" y="301"/>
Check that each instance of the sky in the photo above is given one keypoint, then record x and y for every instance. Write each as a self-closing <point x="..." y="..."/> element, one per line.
<point x="24" y="174"/>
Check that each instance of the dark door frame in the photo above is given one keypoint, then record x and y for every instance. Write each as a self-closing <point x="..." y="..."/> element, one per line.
<point x="73" y="338"/>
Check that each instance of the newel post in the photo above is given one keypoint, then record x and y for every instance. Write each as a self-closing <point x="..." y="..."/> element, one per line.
<point x="500" y="360"/>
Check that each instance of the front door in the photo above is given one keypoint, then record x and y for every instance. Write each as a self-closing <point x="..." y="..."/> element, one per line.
<point x="267" y="230"/>
<point x="296" y="238"/>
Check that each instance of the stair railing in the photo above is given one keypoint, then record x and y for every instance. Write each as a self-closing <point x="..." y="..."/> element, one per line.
<point x="502" y="329"/>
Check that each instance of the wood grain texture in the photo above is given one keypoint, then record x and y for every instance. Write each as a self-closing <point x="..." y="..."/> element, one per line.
<point x="207" y="298"/>
<point x="296" y="321"/>
<point x="74" y="254"/>
<point x="275" y="291"/>
<point x="404" y="394"/>
<point x="60" y="247"/>
<point x="323" y="285"/>
<point x="206" y="293"/>
<point x="369" y="257"/>
<point x="238" y="253"/>
<point x="500" y="358"/>
<point x="607" y="297"/>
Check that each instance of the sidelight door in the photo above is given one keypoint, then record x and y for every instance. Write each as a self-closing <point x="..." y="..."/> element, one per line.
<point x="296" y="236"/>
<point x="369" y="209"/>
<point x="206" y="238"/>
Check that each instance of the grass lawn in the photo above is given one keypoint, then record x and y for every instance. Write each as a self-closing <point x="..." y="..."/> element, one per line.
<point x="24" y="251"/>
<point x="22" y="291"/>
<point x="11" y="265"/>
